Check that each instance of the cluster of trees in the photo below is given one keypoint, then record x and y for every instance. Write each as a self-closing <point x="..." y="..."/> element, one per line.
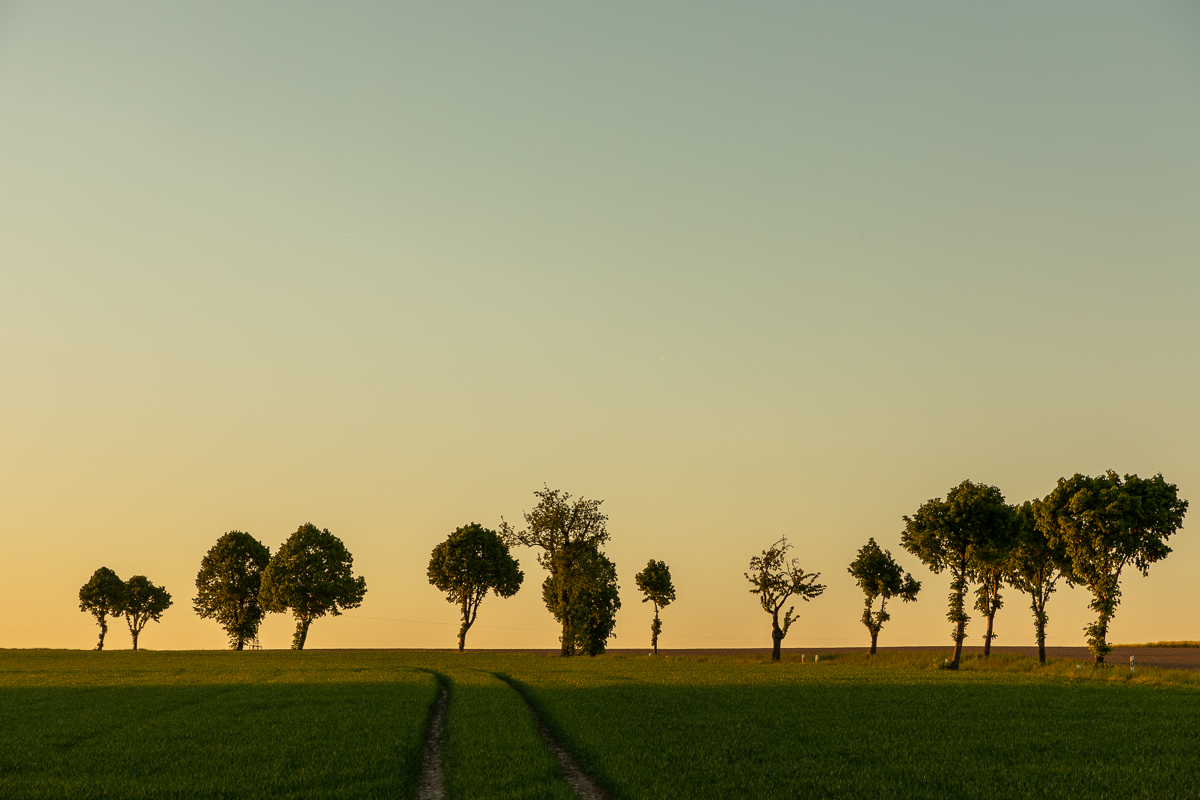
<point x="1085" y="532"/>
<point x="580" y="589"/>
<point x="137" y="599"/>
<point x="240" y="581"/>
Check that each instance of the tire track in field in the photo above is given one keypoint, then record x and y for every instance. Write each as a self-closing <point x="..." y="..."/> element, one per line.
<point x="577" y="779"/>
<point x="432" y="783"/>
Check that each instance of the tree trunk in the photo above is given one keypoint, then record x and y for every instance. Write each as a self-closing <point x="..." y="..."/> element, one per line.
<point x="241" y="643"/>
<point x="301" y="634"/>
<point x="465" y="626"/>
<point x="987" y="639"/>
<point x="1103" y="639"/>
<point x="567" y="638"/>
<point x="134" y="633"/>
<point x="654" y="629"/>
<point x="874" y="639"/>
<point x="958" y="613"/>
<point x="959" y="635"/>
<point x="776" y="636"/>
<point x="1098" y="634"/>
<point x="1039" y="622"/>
<point x="103" y="630"/>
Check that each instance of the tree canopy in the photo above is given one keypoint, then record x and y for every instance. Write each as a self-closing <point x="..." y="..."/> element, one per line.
<point x="472" y="561"/>
<point x="228" y="585"/>
<point x="311" y="575"/>
<point x="989" y="567"/>
<point x="102" y="596"/>
<point x="143" y="602"/>
<point x="1034" y="565"/>
<point x="776" y="578"/>
<point x="1104" y="524"/>
<point x="879" y="576"/>
<point x="948" y="534"/>
<point x="655" y="583"/>
<point x="582" y="594"/>
<point x="562" y="528"/>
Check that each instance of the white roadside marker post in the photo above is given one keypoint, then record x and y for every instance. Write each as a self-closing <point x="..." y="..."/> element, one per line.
<point x="1131" y="666"/>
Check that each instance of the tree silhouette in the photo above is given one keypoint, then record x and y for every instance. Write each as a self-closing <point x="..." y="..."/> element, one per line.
<point x="311" y="575"/>
<point x="228" y="584"/>
<point x="1105" y="524"/>
<point x="557" y="525"/>
<point x="776" y="578"/>
<point x="143" y="602"/>
<point x="1034" y="567"/>
<point x="472" y="561"/>
<point x="102" y="597"/>
<point x="655" y="583"/>
<point x="588" y="606"/>
<point x="947" y="534"/>
<point x="989" y="568"/>
<point x="879" y="576"/>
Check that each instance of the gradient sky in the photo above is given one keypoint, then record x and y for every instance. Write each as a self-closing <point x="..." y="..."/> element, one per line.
<point x="739" y="270"/>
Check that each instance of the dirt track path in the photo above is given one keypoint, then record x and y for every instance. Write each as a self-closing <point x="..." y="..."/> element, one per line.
<point x="577" y="779"/>
<point x="432" y="783"/>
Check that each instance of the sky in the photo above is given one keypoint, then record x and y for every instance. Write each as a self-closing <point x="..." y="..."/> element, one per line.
<point x="741" y="271"/>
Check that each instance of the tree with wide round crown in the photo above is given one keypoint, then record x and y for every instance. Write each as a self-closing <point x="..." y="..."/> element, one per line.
<point x="102" y="597"/>
<point x="311" y="575"/>
<point x="228" y="585"/>
<point x="472" y="561"/>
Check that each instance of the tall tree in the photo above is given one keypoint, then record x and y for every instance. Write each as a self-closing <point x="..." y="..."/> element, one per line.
<point x="228" y="584"/>
<point x="102" y="597"/>
<point x="879" y="576"/>
<point x="945" y="535"/>
<point x="554" y="525"/>
<point x="655" y="583"/>
<point x="143" y="602"/>
<point x="311" y="574"/>
<point x="1104" y="524"/>
<point x="775" y="579"/>
<point x="989" y="565"/>
<point x="589" y="608"/>
<point x="472" y="561"/>
<point x="1034" y="567"/>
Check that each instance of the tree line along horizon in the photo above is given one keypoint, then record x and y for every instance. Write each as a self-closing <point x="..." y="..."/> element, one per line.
<point x="1085" y="533"/>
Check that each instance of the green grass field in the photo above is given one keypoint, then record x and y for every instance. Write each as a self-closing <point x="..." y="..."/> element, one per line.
<point x="288" y="725"/>
<point x="352" y="724"/>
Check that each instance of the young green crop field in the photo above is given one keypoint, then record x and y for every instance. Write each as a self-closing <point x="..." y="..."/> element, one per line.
<point x="353" y="724"/>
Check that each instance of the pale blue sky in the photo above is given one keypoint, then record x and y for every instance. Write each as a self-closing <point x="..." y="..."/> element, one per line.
<point x="740" y="270"/>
